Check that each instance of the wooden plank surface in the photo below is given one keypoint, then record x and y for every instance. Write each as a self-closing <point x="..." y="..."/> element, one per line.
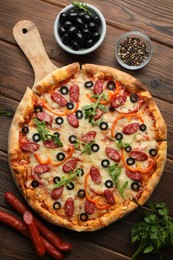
<point x="149" y="16"/>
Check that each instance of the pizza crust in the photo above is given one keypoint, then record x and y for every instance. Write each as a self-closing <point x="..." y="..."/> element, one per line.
<point x="56" y="77"/>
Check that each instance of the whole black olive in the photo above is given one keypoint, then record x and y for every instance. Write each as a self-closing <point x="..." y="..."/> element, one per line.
<point x="89" y="43"/>
<point x="96" y="36"/>
<point x="63" y="16"/>
<point x="61" y="31"/>
<point x="87" y="33"/>
<point x="65" y="39"/>
<point x="96" y="19"/>
<point x="72" y="30"/>
<point x="93" y="27"/>
<point x="70" y="105"/>
<point x="80" y="23"/>
<point x="79" y="38"/>
<point x="72" y="15"/>
<point x="67" y="24"/>
<point x="75" y="46"/>
<point x="64" y="90"/>
<point x="87" y="18"/>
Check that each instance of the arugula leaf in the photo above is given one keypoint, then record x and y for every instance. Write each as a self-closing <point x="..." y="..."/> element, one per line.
<point x="44" y="132"/>
<point x="121" y="145"/>
<point x="66" y="180"/>
<point x="82" y="6"/>
<point x="6" y="112"/>
<point x="90" y="110"/>
<point x="155" y="231"/>
<point x="87" y="147"/>
<point x="115" y="171"/>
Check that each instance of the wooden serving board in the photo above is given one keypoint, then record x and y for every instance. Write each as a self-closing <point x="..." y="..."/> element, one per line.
<point x="28" y="38"/>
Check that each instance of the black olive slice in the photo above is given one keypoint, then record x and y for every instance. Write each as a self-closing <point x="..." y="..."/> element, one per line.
<point x="103" y="126"/>
<point x="25" y="129"/>
<point x="142" y="127"/>
<point x="83" y="217"/>
<point x="60" y="156"/>
<point x="70" y="105"/>
<point x="134" y="98"/>
<point x="128" y="148"/>
<point x="112" y="109"/>
<point x="35" y="183"/>
<point x="105" y="163"/>
<point x="109" y="184"/>
<point x="79" y="114"/>
<point x="64" y="90"/>
<point x="72" y="139"/>
<point x="56" y="179"/>
<point x="81" y="193"/>
<point x="130" y="161"/>
<point x="36" y="137"/>
<point x="111" y="85"/>
<point x="95" y="147"/>
<point x="89" y="84"/>
<point x="118" y="136"/>
<point x="70" y="186"/>
<point x="153" y="152"/>
<point x="57" y="134"/>
<point x="81" y="172"/>
<point x="59" y="120"/>
<point x="38" y="109"/>
<point x="57" y="205"/>
<point x="135" y="186"/>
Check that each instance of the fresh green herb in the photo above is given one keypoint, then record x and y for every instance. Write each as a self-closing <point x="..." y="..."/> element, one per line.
<point x="82" y="6"/>
<point x="44" y="132"/>
<point x="90" y="110"/>
<point x="5" y="112"/>
<point x="155" y="231"/>
<point x="115" y="171"/>
<point x="65" y="180"/>
<point x="87" y="147"/>
<point x="122" y="145"/>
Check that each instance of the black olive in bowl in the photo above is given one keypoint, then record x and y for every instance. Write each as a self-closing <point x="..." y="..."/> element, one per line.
<point x="78" y="32"/>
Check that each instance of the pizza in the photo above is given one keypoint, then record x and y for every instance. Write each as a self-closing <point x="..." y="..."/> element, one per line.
<point x="87" y="146"/>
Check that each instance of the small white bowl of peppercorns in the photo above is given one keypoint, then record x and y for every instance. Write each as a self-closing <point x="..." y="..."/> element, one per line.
<point x="133" y="50"/>
<point x="79" y="28"/>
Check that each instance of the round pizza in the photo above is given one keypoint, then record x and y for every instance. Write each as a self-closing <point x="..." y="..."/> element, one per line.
<point x="87" y="146"/>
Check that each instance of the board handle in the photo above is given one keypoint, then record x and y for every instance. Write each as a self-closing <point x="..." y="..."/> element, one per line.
<point x="28" y="38"/>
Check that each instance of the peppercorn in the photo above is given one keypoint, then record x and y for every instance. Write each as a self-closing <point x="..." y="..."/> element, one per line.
<point x="133" y="51"/>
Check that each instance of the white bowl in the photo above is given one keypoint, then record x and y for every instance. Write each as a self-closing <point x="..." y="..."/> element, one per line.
<point x="82" y="51"/>
<point x="125" y="60"/>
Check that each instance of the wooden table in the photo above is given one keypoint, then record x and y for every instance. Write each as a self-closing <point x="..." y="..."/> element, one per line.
<point x="152" y="17"/>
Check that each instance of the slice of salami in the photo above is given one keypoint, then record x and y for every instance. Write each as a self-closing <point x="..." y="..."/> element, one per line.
<point x="98" y="87"/>
<point x="69" y="207"/>
<point x="89" y="137"/>
<point x="113" y="154"/>
<point x="109" y="197"/>
<point x="73" y="120"/>
<point x="74" y="93"/>
<point x="59" y="99"/>
<point x="139" y="155"/>
<point x="89" y="207"/>
<point x="70" y="165"/>
<point x="41" y="168"/>
<point x="98" y="114"/>
<point x="136" y="176"/>
<point x="118" y="101"/>
<point x="131" y="128"/>
<point x="57" y="192"/>
<point x="43" y="116"/>
<point x="95" y="175"/>
<point x="30" y="146"/>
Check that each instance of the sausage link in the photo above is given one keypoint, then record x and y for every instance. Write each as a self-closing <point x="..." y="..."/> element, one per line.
<point x="29" y="146"/>
<point x="98" y="87"/>
<point x="73" y="120"/>
<point x="95" y="175"/>
<point x="34" y="233"/>
<point x="20" y="226"/>
<point x="74" y="93"/>
<point x="59" y="99"/>
<point x="51" y="236"/>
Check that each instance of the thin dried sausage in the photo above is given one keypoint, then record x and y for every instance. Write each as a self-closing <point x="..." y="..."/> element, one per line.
<point x="98" y="114"/>
<point x="70" y="165"/>
<point x="43" y="116"/>
<point x="98" y="87"/>
<point x="89" y="137"/>
<point x="74" y="93"/>
<point x="113" y="154"/>
<point x="118" y="101"/>
<point x="139" y="155"/>
<point x="29" y="146"/>
<point x="41" y="168"/>
<point x="136" y="176"/>
<point x="95" y="175"/>
<point x="109" y="196"/>
<point x="73" y="120"/>
<point x="130" y="129"/>
<point x="69" y="207"/>
<point x="57" y="192"/>
<point x="59" y="99"/>
<point x="89" y="207"/>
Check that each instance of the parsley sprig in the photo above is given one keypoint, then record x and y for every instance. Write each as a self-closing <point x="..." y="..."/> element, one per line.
<point x="87" y="147"/>
<point x="115" y="171"/>
<point x="82" y="6"/>
<point x="45" y="134"/>
<point x="90" y="110"/>
<point x="155" y="231"/>
<point x="65" y="180"/>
